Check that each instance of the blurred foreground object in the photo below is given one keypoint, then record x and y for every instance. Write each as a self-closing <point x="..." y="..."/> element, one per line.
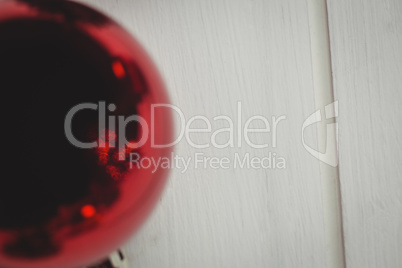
<point x="116" y="260"/>
<point x="77" y="97"/>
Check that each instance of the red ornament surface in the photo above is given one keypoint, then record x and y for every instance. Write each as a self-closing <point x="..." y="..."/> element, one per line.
<point x="61" y="205"/>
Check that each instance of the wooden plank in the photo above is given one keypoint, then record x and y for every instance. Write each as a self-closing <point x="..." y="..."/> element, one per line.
<point x="213" y="54"/>
<point x="325" y="119"/>
<point x="367" y="65"/>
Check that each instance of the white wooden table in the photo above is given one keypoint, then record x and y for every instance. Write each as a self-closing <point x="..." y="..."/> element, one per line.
<point x="214" y="54"/>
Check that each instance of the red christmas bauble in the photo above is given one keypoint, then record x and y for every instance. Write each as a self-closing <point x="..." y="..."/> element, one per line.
<point x="78" y="114"/>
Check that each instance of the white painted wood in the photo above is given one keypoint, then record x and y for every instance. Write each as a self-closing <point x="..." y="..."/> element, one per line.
<point x="213" y="54"/>
<point x="326" y="132"/>
<point x="366" y="40"/>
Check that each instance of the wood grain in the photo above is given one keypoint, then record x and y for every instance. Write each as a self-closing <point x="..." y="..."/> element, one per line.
<point x="366" y="38"/>
<point x="213" y="54"/>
